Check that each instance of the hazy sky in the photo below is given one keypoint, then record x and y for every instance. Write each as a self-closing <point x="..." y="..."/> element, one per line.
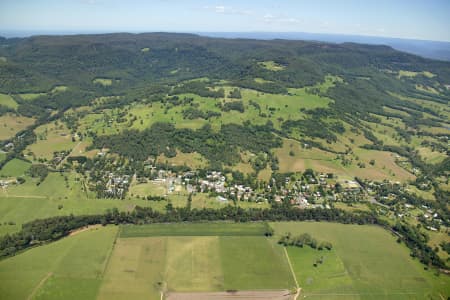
<point x="418" y="19"/>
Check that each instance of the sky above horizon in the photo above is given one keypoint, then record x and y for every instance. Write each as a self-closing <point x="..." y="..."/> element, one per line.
<point x="415" y="19"/>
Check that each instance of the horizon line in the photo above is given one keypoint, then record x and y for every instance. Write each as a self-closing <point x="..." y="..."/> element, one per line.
<point x="25" y="33"/>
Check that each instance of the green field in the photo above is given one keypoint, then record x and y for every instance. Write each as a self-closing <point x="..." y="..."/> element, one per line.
<point x="51" y="138"/>
<point x="135" y="268"/>
<point x="194" y="229"/>
<point x="365" y="263"/>
<point x="194" y="264"/>
<point x="103" y="81"/>
<point x="271" y="65"/>
<point x="14" y="168"/>
<point x="30" y="96"/>
<point x="143" y="267"/>
<point x="254" y="263"/>
<point x="53" y="197"/>
<point x="71" y="268"/>
<point x="8" y="101"/>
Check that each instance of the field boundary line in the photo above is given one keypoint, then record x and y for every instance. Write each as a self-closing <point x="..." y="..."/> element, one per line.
<point x="108" y="258"/>
<point x="25" y="196"/>
<point x="291" y="268"/>
<point x="298" y="289"/>
<point x="40" y="284"/>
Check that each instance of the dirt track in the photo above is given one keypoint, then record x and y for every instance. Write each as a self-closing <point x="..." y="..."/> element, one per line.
<point x="242" y="295"/>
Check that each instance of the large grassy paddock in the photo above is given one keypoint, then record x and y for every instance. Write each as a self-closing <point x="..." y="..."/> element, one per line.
<point x="15" y="168"/>
<point x="71" y="268"/>
<point x="365" y="263"/>
<point x="144" y="267"/>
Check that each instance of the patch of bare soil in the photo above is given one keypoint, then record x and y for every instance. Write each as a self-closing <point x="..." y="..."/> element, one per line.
<point x="89" y="227"/>
<point x="241" y="295"/>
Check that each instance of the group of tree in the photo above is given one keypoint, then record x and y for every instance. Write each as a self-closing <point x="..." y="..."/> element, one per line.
<point x="302" y="240"/>
<point x="221" y="147"/>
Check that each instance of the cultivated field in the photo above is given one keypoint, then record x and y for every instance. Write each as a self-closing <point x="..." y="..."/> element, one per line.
<point x="219" y="261"/>
<point x="180" y="259"/>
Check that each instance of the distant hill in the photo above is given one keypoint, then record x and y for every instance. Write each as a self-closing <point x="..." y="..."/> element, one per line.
<point x="428" y="49"/>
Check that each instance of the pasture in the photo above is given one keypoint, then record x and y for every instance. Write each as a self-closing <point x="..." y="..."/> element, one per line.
<point x="271" y="65"/>
<point x="145" y="267"/>
<point x="178" y="260"/>
<point x="30" y="96"/>
<point x="12" y="124"/>
<point x="71" y="268"/>
<point x="15" y="168"/>
<point x="194" y="229"/>
<point x="55" y="196"/>
<point x="365" y="263"/>
<point x="294" y="158"/>
<point x="8" y="101"/>
<point x="135" y="270"/>
<point x="103" y="81"/>
<point x="50" y="138"/>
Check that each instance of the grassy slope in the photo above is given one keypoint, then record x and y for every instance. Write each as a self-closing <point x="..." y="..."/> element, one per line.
<point x="8" y="101"/>
<point x="11" y="124"/>
<point x="51" y="138"/>
<point x="26" y="202"/>
<point x="14" y="168"/>
<point x="377" y="266"/>
<point x="74" y="267"/>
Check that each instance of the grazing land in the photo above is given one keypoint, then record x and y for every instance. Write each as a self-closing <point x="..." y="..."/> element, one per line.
<point x="8" y="101"/>
<point x="135" y="270"/>
<point x="15" y="168"/>
<point x="365" y="263"/>
<point x="71" y="268"/>
<point x="194" y="229"/>
<point x="11" y="124"/>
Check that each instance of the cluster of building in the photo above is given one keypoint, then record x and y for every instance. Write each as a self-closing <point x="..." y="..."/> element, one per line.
<point x="116" y="185"/>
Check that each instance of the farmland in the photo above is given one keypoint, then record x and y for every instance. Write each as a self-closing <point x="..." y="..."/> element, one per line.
<point x="11" y="124"/>
<point x="7" y="101"/>
<point x="14" y="168"/>
<point x="195" y="229"/>
<point x="144" y="261"/>
<point x="365" y="263"/>
<point x="68" y="269"/>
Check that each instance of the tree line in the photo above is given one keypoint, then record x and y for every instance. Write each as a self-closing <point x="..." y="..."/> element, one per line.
<point x="51" y="229"/>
